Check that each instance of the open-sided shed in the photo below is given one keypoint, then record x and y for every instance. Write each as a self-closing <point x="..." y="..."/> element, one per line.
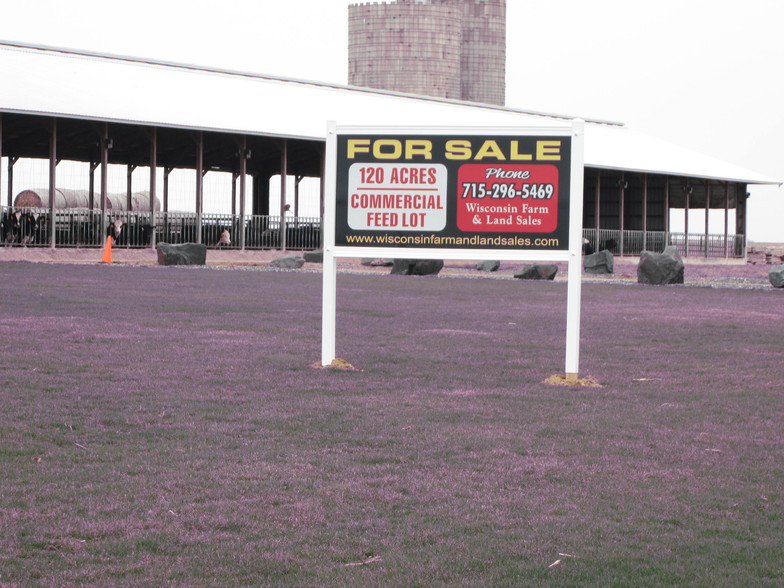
<point x="59" y="104"/>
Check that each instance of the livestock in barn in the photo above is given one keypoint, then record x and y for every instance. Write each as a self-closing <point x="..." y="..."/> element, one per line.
<point x="10" y="225"/>
<point x="114" y="230"/>
<point x="609" y="245"/>
<point x="28" y="228"/>
<point x="588" y="248"/>
<point x="225" y="239"/>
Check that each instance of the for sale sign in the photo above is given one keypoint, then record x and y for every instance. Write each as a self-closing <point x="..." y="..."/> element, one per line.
<point x="453" y="191"/>
<point x="511" y="194"/>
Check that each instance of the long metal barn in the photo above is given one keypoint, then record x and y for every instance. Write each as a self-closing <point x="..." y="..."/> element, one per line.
<point x="63" y="105"/>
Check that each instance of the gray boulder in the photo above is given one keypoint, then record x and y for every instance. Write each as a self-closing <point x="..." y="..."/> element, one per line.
<point x="316" y="256"/>
<point x="288" y="262"/>
<point x="181" y="254"/>
<point x="488" y="265"/>
<point x="537" y="271"/>
<point x="776" y="276"/>
<point x="417" y="267"/>
<point x="660" y="268"/>
<point x="601" y="262"/>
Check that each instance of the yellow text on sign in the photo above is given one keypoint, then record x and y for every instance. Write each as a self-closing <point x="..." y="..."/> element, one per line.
<point x="456" y="149"/>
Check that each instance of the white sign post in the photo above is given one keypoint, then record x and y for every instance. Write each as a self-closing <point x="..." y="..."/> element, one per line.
<point x="455" y="193"/>
<point x="574" y="269"/>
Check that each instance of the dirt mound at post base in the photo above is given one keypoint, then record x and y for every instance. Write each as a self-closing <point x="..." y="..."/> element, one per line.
<point x="563" y="380"/>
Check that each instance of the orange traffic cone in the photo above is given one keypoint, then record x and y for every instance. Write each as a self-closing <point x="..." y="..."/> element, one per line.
<point x="107" y="251"/>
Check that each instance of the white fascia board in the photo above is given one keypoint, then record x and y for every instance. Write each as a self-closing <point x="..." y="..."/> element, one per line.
<point x="623" y="149"/>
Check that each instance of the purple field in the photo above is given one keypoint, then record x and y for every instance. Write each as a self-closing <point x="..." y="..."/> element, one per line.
<point x="165" y="425"/>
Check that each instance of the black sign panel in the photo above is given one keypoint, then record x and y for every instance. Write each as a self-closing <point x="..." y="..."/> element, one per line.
<point x="505" y="192"/>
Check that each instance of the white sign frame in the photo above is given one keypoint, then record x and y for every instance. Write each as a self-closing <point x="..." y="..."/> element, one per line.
<point x="572" y="255"/>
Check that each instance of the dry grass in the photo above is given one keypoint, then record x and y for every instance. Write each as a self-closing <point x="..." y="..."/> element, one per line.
<point x="164" y="426"/>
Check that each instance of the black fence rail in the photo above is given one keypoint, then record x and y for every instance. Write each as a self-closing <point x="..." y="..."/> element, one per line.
<point x="632" y="243"/>
<point x="76" y="227"/>
<point x="90" y="228"/>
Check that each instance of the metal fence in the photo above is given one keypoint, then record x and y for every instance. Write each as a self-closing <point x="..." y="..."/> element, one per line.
<point x="693" y="245"/>
<point x="78" y="227"/>
<point x="81" y="227"/>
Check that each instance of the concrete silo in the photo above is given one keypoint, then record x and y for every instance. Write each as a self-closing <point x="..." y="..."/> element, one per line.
<point x="446" y="48"/>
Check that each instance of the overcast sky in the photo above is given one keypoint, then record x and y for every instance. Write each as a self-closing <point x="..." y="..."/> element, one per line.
<point x="705" y="74"/>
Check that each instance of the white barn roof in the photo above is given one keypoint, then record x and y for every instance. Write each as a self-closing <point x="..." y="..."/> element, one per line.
<point x="64" y="83"/>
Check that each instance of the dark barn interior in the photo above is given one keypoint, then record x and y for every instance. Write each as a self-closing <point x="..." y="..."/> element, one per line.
<point x="625" y="212"/>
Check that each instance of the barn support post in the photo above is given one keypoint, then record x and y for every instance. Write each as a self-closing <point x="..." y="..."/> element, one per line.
<point x="686" y="223"/>
<point x="597" y="206"/>
<point x="741" y="196"/>
<point x="234" y="176"/>
<point x="91" y="186"/>
<point x="297" y="181"/>
<point x="129" y="187"/>
<point x="622" y="210"/>
<point x="667" y="210"/>
<point x="166" y="171"/>
<point x="1" y="156"/>
<point x="199" y="184"/>
<point x="105" y="146"/>
<point x="128" y="201"/>
<point x="726" y="219"/>
<point x="645" y="212"/>
<point x="707" y="213"/>
<point x="153" y="182"/>
<point x="11" y="162"/>
<point x="52" y="180"/>
<point x="244" y="155"/>
<point x="284" y="165"/>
